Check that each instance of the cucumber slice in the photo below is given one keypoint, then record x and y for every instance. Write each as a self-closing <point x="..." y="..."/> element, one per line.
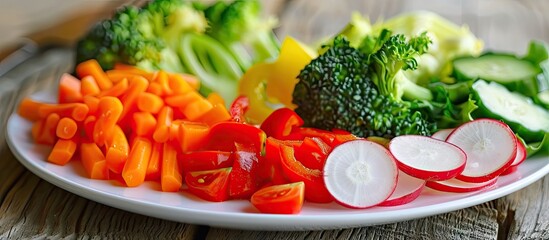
<point x="527" y="119"/>
<point x="515" y="74"/>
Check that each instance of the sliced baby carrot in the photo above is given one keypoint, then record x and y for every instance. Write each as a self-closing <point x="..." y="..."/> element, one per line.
<point x="92" y="68"/>
<point x="117" y="90"/>
<point x="89" y="124"/>
<point x="137" y="86"/>
<point x="149" y="102"/>
<point x="190" y="79"/>
<point x="66" y="128"/>
<point x="89" y="86"/>
<point x="118" y="150"/>
<point x="170" y="177"/>
<point x="192" y="135"/>
<point x="92" y="102"/>
<point x="62" y="151"/>
<point x="181" y="101"/>
<point x="108" y="113"/>
<point x="178" y="84"/>
<point x="215" y="99"/>
<point x="76" y="111"/>
<point x="94" y="161"/>
<point x="69" y="89"/>
<point x="162" y="78"/>
<point x="28" y="109"/>
<point x="162" y="131"/>
<point x="136" y="166"/>
<point x="143" y="124"/>
<point x="155" y="88"/>
<point x="217" y="114"/>
<point x="194" y="110"/>
<point x="155" y="163"/>
<point x="46" y="132"/>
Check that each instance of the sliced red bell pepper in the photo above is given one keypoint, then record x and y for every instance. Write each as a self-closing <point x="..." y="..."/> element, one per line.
<point x="315" y="188"/>
<point x="223" y="136"/>
<point x="238" y="108"/>
<point x="244" y="179"/>
<point x="299" y="133"/>
<point x="271" y="169"/>
<point x="312" y="153"/>
<point x="205" y="160"/>
<point x="280" y="123"/>
<point x="211" y="185"/>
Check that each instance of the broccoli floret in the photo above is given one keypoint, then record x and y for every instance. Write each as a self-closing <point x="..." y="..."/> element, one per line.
<point x="335" y="91"/>
<point x="239" y="24"/>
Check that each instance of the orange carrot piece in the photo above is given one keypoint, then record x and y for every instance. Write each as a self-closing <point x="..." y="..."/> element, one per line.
<point x="135" y="170"/>
<point x="108" y="113"/>
<point x="178" y="84"/>
<point x="89" y="124"/>
<point x="89" y="86"/>
<point x="162" y="78"/>
<point x="149" y="102"/>
<point x="76" y="111"/>
<point x="62" y="151"/>
<point x="118" y="75"/>
<point x="92" y="102"/>
<point x="174" y="130"/>
<point x="28" y="109"/>
<point x="155" y="163"/>
<point x="192" y="135"/>
<point x="46" y="133"/>
<point x="181" y="101"/>
<point x="137" y="86"/>
<point x="194" y="110"/>
<point x="215" y="99"/>
<point x="117" y="150"/>
<point x="190" y="79"/>
<point x="66" y="128"/>
<point x="69" y="89"/>
<point x="117" y="90"/>
<point x="164" y="120"/>
<point x="155" y="88"/>
<point x="217" y="114"/>
<point x="92" y="68"/>
<point x="170" y="177"/>
<point x="94" y="161"/>
<point x="143" y="124"/>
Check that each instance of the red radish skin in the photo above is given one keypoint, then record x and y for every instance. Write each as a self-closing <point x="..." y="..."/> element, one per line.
<point x="427" y="158"/>
<point x="408" y="188"/>
<point x="360" y="174"/>
<point x="519" y="158"/>
<point x="490" y="146"/>
<point x="442" y="134"/>
<point x="456" y="186"/>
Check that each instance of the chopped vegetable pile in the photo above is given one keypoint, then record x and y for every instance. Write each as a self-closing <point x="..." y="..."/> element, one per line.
<point x="201" y="98"/>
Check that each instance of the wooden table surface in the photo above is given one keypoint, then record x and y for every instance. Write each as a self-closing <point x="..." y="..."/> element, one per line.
<point x="33" y="208"/>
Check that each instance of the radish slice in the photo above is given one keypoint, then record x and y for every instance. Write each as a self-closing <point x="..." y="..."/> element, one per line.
<point x="519" y="158"/>
<point x="408" y="188"/>
<point x="427" y="158"/>
<point x="442" y="134"/>
<point x="457" y="186"/>
<point x="490" y="146"/>
<point x="360" y="174"/>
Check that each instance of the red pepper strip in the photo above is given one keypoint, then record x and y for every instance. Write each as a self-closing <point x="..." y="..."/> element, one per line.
<point x="312" y="153"/>
<point x="244" y="176"/>
<point x="271" y="169"/>
<point x="211" y="185"/>
<point x="315" y="188"/>
<point x="281" y="122"/>
<point x="224" y="135"/>
<point x="205" y="160"/>
<point x="238" y="108"/>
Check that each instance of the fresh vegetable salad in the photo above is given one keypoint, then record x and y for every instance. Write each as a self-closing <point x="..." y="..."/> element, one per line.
<point x="204" y="98"/>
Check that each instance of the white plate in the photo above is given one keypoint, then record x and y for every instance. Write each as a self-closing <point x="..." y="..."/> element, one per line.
<point x="184" y="207"/>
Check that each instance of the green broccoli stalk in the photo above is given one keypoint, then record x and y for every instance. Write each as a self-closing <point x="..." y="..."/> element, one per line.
<point x="335" y="91"/>
<point x="239" y="24"/>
